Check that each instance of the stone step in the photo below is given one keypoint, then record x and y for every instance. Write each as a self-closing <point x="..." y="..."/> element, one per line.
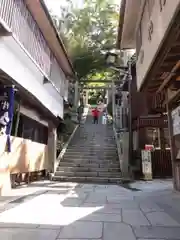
<point x="88" y="174"/>
<point x="90" y="161"/>
<point x="86" y="161"/>
<point x="89" y="158"/>
<point x="92" y="137"/>
<point x="102" y="151"/>
<point x="114" y="180"/>
<point x="93" y="151"/>
<point x="88" y="165"/>
<point x="85" y="169"/>
<point x="90" y="154"/>
<point x="92" y="148"/>
<point x="93" y="145"/>
<point x="79" y="139"/>
<point x="84" y="141"/>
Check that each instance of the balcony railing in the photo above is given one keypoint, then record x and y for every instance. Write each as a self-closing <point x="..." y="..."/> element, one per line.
<point x="16" y="15"/>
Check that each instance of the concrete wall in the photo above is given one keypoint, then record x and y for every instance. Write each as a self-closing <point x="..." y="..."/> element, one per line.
<point x="15" y="61"/>
<point x="161" y="21"/>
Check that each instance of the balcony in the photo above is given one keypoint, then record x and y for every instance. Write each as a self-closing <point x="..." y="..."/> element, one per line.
<point x="17" y="18"/>
<point x="150" y="121"/>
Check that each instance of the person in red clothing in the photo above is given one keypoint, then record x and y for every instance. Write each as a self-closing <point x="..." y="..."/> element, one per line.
<point x="95" y="114"/>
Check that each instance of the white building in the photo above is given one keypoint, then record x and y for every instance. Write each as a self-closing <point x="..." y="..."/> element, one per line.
<point x="34" y="59"/>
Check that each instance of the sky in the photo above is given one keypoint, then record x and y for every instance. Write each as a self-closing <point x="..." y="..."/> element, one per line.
<point x="54" y="5"/>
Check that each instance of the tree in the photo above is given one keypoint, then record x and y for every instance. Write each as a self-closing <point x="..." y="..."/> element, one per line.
<point x="87" y="33"/>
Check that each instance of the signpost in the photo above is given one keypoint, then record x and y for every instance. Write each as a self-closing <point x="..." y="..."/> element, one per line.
<point x="146" y="164"/>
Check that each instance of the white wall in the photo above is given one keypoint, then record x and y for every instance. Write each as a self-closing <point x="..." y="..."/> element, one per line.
<point x="17" y="64"/>
<point x="66" y="90"/>
<point x="132" y="11"/>
<point x="161" y="21"/>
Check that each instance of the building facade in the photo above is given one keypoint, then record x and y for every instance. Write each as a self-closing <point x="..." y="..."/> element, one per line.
<point x="35" y="64"/>
<point x="152" y="27"/>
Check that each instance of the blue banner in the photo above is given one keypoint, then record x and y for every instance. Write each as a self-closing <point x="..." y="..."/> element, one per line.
<point x="6" y="112"/>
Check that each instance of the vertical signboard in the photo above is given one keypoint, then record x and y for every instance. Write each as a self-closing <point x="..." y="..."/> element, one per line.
<point x="176" y="121"/>
<point x="6" y="112"/>
<point x="146" y="164"/>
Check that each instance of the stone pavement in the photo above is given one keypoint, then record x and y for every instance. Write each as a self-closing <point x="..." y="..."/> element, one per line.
<point x="88" y="211"/>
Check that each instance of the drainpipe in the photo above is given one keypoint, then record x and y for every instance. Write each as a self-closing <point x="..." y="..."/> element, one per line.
<point x="76" y="94"/>
<point x="113" y="105"/>
<point x="130" y="117"/>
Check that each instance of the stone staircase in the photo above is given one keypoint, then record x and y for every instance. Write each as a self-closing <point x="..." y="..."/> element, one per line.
<point x="91" y="156"/>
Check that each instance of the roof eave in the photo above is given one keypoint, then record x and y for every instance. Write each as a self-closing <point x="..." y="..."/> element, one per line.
<point x="43" y="19"/>
<point x="57" y="35"/>
<point x="121" y="23"/>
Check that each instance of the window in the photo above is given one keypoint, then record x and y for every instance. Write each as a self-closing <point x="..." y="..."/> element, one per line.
<point x="153" y="137"/>
<point x="32" y="130"/>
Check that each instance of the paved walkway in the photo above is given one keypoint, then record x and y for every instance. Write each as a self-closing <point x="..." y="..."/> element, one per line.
<point x="70" y="211"/>
<point x="104" y="212"/>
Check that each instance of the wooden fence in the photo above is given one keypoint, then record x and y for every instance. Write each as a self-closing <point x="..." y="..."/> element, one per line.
<point x="161" y="164"/>
<point x="26" y="158"/>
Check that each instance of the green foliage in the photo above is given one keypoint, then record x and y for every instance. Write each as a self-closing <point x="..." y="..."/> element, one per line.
<point x="69" y="126"/>
<point x="92" y="101"/>
<point x="64" y="131"/>
<point x="66" y="126"/>
<point x="87" y="33"/>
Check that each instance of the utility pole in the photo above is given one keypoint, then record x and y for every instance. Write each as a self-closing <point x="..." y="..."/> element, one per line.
<point x="113" y="104"/>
